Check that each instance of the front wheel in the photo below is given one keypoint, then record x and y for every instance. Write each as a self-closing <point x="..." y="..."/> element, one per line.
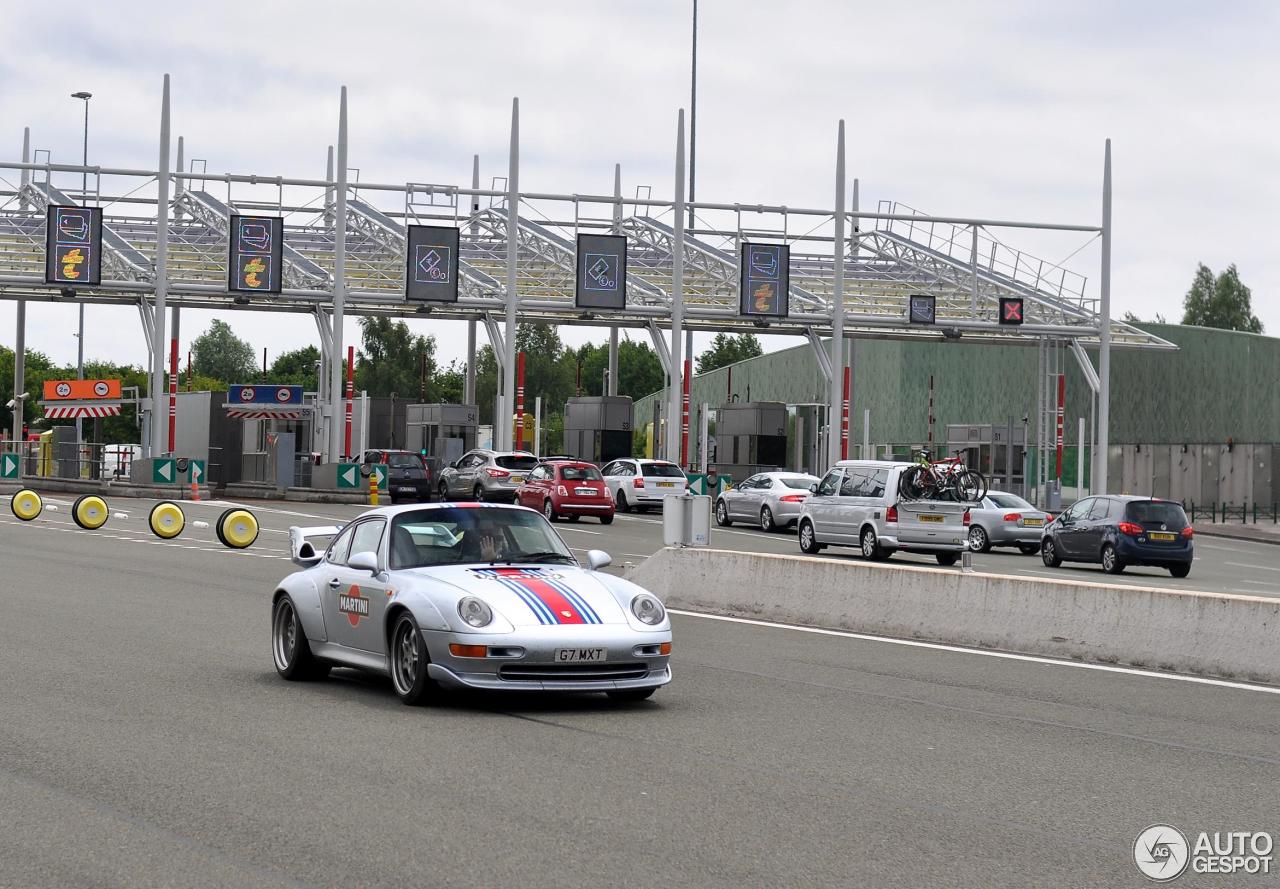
<point x="1049" y="553"/>
<point x="808" y="541"/>
<point x="409" y="662"/>
<point x="1111" y="560"/>
<point x="979" y="542"/>
<point x="631" y="694"/>
<point x="444" y="491"/>
<point x="549" y="511"/>
<point x="766" y="520"/>
<point x="722" y="514"/>
<point x="289" y="648"/>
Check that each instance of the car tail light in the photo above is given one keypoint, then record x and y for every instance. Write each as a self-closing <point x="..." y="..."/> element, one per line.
<point x="1130" y="528"/>
<point x="498" y="473"/>
<point x="1013" y="516"/>
<point x="967" y="518"/>
<point x="792" y="498"/>
<point x="1188" y="532"/>
<point x="638" y="483"/>
<point x="891" y="514"/>
<point x="560" y="491"/>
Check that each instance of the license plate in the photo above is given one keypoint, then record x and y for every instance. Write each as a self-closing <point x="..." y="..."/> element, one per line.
<point x="666" y="484"/>
<point x="1161" y="535"/>
<point x="403" y="490"/>
<point x="929" y="517"/>
<point x="581" y="655"/>
<point x="1033" y="523"/>
<point x="585" y="492"/>
<point x="517" y="479"/>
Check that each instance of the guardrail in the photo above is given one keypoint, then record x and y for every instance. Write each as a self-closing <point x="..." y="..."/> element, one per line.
<point x="1245" y="513"/>
<point x="89" y="460"/>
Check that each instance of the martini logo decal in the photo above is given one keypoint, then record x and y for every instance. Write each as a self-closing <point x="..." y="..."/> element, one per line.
<point x="353" y="605"/>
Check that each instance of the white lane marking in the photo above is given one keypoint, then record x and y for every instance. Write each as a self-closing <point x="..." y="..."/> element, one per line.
<point x="1254" y="567"/>
<point x="958" y="649"/>
<point x="579" y="530"/>
<point x="51" y="526"/>
<point x="1267" y="583"/>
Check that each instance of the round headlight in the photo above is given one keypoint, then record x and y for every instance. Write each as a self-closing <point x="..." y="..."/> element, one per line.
<point x="647" y="609"/>
<point x="475" y="612"/>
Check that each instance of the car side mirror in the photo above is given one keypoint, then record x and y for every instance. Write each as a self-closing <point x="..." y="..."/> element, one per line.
<point x="813" y="488"/>
<point x="597" y="559"/>
<point x="365" y="561"/>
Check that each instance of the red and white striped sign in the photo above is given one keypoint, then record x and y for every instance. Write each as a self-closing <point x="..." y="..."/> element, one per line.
<point x="261" y="413"/>
<point x="80" y="411"/>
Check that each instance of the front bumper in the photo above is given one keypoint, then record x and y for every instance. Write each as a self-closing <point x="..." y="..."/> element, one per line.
<point x="622" y="670"/>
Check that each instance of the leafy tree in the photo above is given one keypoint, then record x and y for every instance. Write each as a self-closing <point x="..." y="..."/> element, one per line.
<point x="549" y="368"/>
<point x="1130" y="318"/>
<point x="1223" y="302"/>
<point x="390" y="359"/>
<point x="726" y="349"/>
<point x="296" y="368"/>
<point x="38" y="368"/>
<point x="218" y="353"/>
<point x="639" y="370"/>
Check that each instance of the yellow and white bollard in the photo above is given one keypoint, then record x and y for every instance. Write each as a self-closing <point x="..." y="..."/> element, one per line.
<point x="373" y="488"/>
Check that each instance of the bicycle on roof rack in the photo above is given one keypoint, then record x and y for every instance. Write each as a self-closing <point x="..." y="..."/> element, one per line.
<point x="946" y="479"/>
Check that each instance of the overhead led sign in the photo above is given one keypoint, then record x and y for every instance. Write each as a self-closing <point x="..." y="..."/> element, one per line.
<point x="602" y="272"/>
<point x="1011" y="310"/>
<point x="431" y="274"/>
<point x="765" y="280"/>
<point x="922" y="309"/>
<point x="73" y="245"/>
<point x="256" y="264"/>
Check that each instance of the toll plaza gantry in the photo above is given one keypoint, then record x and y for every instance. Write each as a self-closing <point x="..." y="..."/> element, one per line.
<point x="186" y="238"/>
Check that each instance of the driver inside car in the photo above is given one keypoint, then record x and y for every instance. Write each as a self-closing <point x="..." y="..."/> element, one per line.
<point x="485" y="542"/>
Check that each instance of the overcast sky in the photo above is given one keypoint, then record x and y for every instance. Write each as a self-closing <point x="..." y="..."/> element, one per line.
<point x="986" y="109"/>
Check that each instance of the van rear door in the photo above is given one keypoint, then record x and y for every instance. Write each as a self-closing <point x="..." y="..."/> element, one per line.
<point x="934" y="522"/>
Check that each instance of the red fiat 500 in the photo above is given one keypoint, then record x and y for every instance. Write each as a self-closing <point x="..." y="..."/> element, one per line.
<point x="569" y="488"/>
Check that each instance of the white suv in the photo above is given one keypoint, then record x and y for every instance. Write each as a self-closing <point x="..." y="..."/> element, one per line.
<point x="637" y="483"/>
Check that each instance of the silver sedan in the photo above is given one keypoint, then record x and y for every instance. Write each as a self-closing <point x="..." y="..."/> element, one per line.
<point x="1004" y="519"/>
<point x="770" y="499"/>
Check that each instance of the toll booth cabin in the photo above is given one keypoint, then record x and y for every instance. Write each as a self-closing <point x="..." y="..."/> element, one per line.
<point x="598" y="428"/>
<point x="444" y="431"/>
<point x="751" y="437"/>
<point x="995" y="450"/>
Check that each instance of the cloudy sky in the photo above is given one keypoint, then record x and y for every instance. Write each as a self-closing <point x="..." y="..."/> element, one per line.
<point x="985" y="109"/>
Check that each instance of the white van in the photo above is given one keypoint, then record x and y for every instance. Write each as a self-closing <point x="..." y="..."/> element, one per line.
<point x="857" y="504"/>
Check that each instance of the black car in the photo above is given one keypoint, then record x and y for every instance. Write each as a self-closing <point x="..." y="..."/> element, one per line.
<point x="408" y="476"/>
<point x="1118" y="531"/>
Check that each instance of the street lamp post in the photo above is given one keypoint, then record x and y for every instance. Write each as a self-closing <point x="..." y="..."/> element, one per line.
<point x="84" y="200"/>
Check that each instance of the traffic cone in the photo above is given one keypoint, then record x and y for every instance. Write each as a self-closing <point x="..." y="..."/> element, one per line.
<point x="195" y="492"/>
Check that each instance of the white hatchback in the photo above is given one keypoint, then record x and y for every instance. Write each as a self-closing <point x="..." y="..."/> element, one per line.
<point x="637" y="483"/>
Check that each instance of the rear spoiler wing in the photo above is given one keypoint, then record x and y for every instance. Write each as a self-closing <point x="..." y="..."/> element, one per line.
<point x="301" y="547"/>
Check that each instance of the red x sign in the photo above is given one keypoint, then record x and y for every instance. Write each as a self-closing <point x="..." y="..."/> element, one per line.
<point x="1011" y="310"/>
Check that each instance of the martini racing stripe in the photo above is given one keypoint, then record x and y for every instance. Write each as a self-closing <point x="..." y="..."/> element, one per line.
<point x="537" y="606"/>
<point x="578" y="602"/>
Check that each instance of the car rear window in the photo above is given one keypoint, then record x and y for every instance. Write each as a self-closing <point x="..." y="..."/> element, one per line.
<point x="661" y="470"/>
<point x="516" y="462"/>
<point x="799" y="482"/>
<point x="1156" y="512"/>
<point x="403" y="460"/>
<point x="580" y="473"/>
<point x="1009" y="501"/>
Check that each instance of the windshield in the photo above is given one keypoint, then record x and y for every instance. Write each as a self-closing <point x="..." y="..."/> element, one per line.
<point x="799" y="482"/>
<point x="516" y="462"/>
<point x="401" y="460"/>
<point x="1150" y="512"/>
<point x="1009" y="501"/>
<point x="474" y="535"/>
<point x="580" y="473"/>
<point x="661" y="470"/>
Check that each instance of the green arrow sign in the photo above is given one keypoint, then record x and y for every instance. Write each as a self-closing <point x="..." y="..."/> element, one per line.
<point x="9" y="466"/>
<point x="381" y="472"/>
<point x="164" y="472"/>
<point x="195" y="472"/>
<point x="348" y="475"/>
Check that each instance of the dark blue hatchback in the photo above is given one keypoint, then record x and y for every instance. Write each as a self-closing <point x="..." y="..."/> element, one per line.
<point x="1118" y="531"/>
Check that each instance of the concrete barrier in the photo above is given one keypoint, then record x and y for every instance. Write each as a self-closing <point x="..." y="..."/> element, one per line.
<point x="1205" y="633"/>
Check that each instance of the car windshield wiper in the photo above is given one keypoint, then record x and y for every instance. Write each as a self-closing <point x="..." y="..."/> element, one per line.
<point x="537" y="557"/>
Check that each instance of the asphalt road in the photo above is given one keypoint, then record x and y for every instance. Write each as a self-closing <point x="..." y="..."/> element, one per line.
<point x="145" y="740"/>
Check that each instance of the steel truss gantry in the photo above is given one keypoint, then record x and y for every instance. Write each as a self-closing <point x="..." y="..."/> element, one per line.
<point x="856" y="284"/>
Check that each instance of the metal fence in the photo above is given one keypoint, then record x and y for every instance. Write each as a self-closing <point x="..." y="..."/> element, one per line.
<point x="1244" y="513"/>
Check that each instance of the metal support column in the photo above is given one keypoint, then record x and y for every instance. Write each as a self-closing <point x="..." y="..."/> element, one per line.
<point x="835" y="400"/>
<point x="469" y="380"/>
<point x="328" y="199"/>
<point x="677" y="302"/>
<point x="156" y="387"/>
<point x="334" y="450"/>
<point x="1104" y="336"/>
<point x="503" y="431"/>
<point x="612" y="388"/>
<point x="20" y="340"/>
